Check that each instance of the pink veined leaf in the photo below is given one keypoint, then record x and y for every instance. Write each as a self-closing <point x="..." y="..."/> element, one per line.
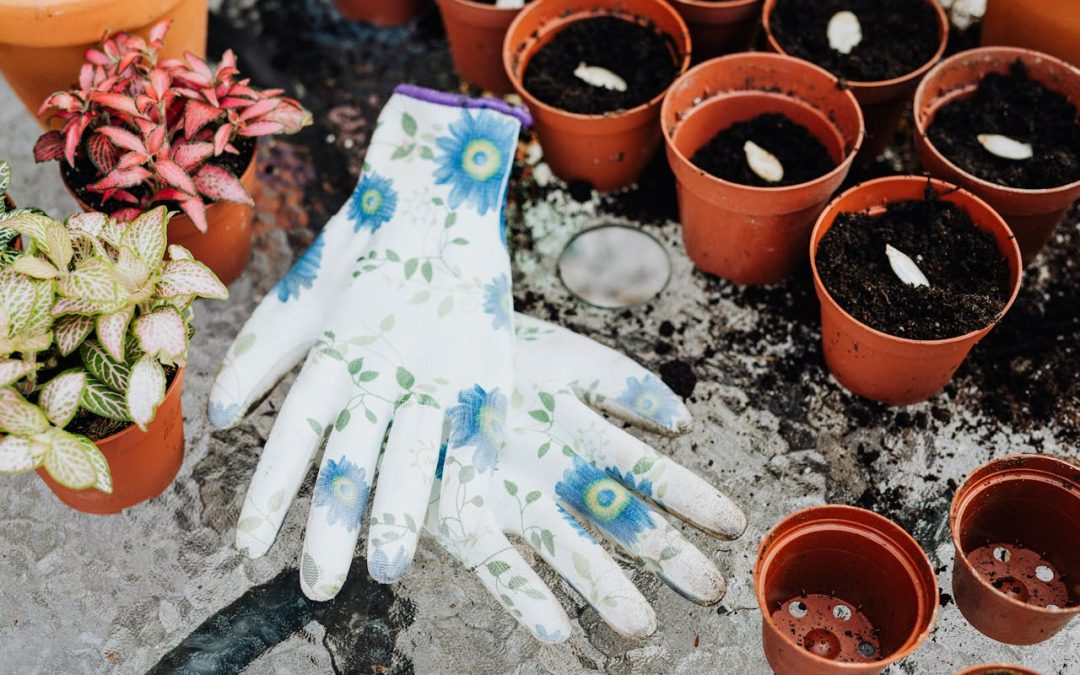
<point x="64" y="306"/>
<point x="231" y="149"/>
<point x="96" y="57"/>
<point x="157" y="33"/>
<point x="146" y="390"/>
<point x="131" y="159"/>
<point x="102" y="153"/>
<point x="220" y="185"/>
<point x="62" y="101"/>
<point x="211" y="96"/>
<point x="60" y="396"/>
<point x="232" y="102"/>
<point x="198" y="65"/>
<point x="124" y="139"/>
<point x="71" y="142"/>
<point x="125" y="196"/>
<point x="118" y="102"/>
<point x="122" y="178"/>
<point x="126" y="214"/>
<point x="162" y="335"/>
<point x="86" y="76"/>
<point x="197" y="115"/>
<point x="145" y="124"/>
<point x="221" y="138"/>
<point x="290" y="114"/>
<point x="144" y="103"/>
<point x="196" y="210"/>
<point x="126" y="62"/>
<point x="241" y="89"/>
<point x="169" y="194"/>
<point x="186" y="92"/>
<point x="175" y="175"/>
<point x="49" y="147"/>
<point x="189" y="277"/>
<point x="112" y="330"/>
<point x="261" y="129"/>
<point x="70" y="330"/>
<point x="261" y="108"/>
<point x="228" y="59"/>
<point x="156" y="139"/>
<point x="159" y="82"/>
<point x="189" y="155"/>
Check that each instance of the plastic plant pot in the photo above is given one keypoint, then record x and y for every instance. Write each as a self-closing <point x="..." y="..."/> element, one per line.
<point x="42" y="43"/>
<point x="754" y="235"/>
<point x="998" y="669"/>
<point x="1033" y="215"/>
<point x="883" y="101"/>
<point x="1051" y="26"/>
<point x="382" y="13"/>
<point x="143" y="463"/>
<point x="609" y="150"/>
<point x="842" y="590"/>
<point x="476" y="32"/>
<point x="719" y="27"/>
<point x="1015" y="524"/>
<point x="896" y="370"/>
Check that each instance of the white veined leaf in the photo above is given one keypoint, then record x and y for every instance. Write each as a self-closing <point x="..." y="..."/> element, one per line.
<point x="844" y="32"/>
<point x="178" y="252"/>
<point x="1005" y="147"/>
<point x="103" y="483"/>
<point x="905" y="268"/>
<point x="13" y="370"/>
<point x="68" y="463"/>
<point x="111" y="373"/>
<point x="146" y="390"/>
<point x="111" y="329"/>
<point x="79" y="306"/>
<point x="20" y="417"/>
<point x="50" y="236"/>
<point x="70" y="331"/>
<point x="599" y="77"/>
<point x="763" y="163"/>
<point x="93" y="280"/>
<point x="162" y="335"/>
<point x="92" y="223"/>
<point x="131" y="268"/>
<point x="60" y="397"/>
<point x="104" y="402"/>
<point x="18" y="296"/>
<point x="35" y="267"/>
<point x="16" y="455"/>
<point x="146" y="235"/>
<point x="40" y="320"/>
<point x="189" y="277"/>
<point x="86" y="246"/>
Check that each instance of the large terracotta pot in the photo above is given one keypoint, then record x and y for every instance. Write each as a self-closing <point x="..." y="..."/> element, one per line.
<point x="1051" y="26"/>
<point x="883" y="102"/>
<point x="143" y="463"/>
<point x="42" y="42"/>
<point x="754" y="235"/>
<point x="610" y="150"/>
<point x="382" y="13"/>
<point x="887" y="368"/>
<point x="476" y="31"/>
<point x="719" y="27"/>
<point x="1033" y="215"/>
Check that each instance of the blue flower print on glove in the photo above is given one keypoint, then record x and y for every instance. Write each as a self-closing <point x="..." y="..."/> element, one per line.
<point x="373" y="202"/>
<point x="478" y="422"/>
<point x="475" y="158"/>
<point x="342" y="489"/>
<point x="303" y="272"/>
<point x="497" y="302"/>
<point x="604" y="501"/>
<point x="651" y="399"/>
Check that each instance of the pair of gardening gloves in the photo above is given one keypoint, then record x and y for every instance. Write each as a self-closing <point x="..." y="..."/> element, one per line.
<point x="486" y="421"/>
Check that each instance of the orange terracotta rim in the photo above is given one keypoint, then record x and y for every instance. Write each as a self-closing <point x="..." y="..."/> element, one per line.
<point x="943" y="40"/>
<point x="516" y="56"/>
<point x="714" y="4"/>
<point x="997" y="669"/>
<point x="60" y="23"/>
<point x="945" y="189"/>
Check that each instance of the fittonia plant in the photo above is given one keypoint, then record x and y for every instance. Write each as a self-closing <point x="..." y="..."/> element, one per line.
<point x="94" y="317"/>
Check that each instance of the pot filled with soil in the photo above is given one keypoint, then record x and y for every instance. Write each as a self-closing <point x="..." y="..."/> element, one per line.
<point x="1051" y="26"/>
<point x="758" y="144"/>
<point x="719" y="27"/>
<point x="383" y="13"/>
<point x="842" y="590"/>
<point x="878" y="49"/>
<point x="1002" y="122"/>
<point x="476" y="30"/>
<point x="911" y="273"/>
<point x="593" y="74"/>
<point x="997" y="669"/>
<point x="1015" y="526"/>
<point x="42" y="44"/>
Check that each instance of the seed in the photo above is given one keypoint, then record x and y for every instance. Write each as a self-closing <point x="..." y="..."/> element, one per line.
<point x="763" y="163"/>
<point x="1005" y="147"/>
<point x="844" y="31"/>
<point x="905" y="268"/>
<point x="599" y="77"/>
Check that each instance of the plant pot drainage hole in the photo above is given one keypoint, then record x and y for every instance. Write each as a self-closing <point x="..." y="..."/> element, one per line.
<point x="1021" y="574"/>
<point x="614" y="266"/>
<point x="828" y="627"/>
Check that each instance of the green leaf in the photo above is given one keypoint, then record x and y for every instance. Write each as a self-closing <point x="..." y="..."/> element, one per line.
<point x="315" y="426"/>
<point x="534" y="594"/>
<point x="342" y="420"/>
<point x="497" y="567"/>
<point x="426" y="153"/>
<point x="420" y="298"/>
<point x="243" y="344"/>
<point x="511" y="487"/>
<point x="392" y="256"/>
<point x="408" y="124"/>
<point x="581" y="565"/>
<point x="388" y="519"/>
<point x="540" y="416"/>
<point x="516" y="583"/>
<point x="367" y="376"/>
<point x="467" y="474"/>
<point x="643" y="465"/>
<point x="370" y="416"/>
<point x="427" y="271"/>
<point x="568" y="451"/>
<point x="405" y="379"/>
<point x="410" y="523"/>
<point x="548" y="401"/>
<point x="459" y="241"/>
<point x="410" y="267"/>
<point x="549" y="541"/>
<point x="477" y="501"/>
<point x="387" y="324"/>
<point x="355" y="366"/>
<point x="532" y="497"/>
<point x="276" y="501"/>
<point x="103" y="401"/>
<point x="451" y="218"/>
<point x="543" y="449"/>
<point x="249" y="524"/>
<point x="446" y="306"/>
<point x="668" y="553"/>
<point x="403" y="151"/>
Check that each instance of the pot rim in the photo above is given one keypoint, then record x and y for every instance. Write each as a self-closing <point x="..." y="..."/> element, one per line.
<point x="715" y="4"/>
<point x="1048" y="463"/>
<point x="669" y="132"/>
<point x="42" y="24"/>
<point x="483" y="6"/>
<point x="943" y="40"/>
<point x="990" y="667"/>
<point x="510" y="52"/>
<point x="840" y="514"/>
<point x="178" y="379"/>
<point x="924" y="100"/>
<point x="941" y="186"/>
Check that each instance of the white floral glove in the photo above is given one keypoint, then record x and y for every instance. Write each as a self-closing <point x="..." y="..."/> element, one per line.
<point x="402" y="306"/>
<point x="564" y="463"/>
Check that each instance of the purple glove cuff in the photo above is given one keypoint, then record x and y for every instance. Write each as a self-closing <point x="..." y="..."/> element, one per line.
<point x="462" y="101"/>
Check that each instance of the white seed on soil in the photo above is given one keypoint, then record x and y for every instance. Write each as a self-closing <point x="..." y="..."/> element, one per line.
<point x="905" y="268"/>
<point x="510" y="4"/>
<point x="1005" y="147"/>
<point x="599" y="77"/>
<point x="844" y="31"/>
<point x="763" y="163"/>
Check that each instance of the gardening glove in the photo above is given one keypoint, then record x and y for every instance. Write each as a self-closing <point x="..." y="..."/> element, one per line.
<point x="564" y="465"/>
<point x="403" y="308"/>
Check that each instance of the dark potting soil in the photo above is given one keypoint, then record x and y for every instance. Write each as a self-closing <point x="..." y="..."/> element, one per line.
<point x="969" y="278"/>
<point x="899" y="36"/>
<point x="802" y="155"/>
<point x="640" y="55"/>
<point x="1023" y="109"/>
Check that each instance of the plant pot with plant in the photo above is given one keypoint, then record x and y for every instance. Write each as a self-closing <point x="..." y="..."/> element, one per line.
<point x="382" y="13"/>
<point x="593" y="73"/>
<point x="476" y="30"/>
<point x="140" y="131"/>
<point x="758" y="144"/>
<point x="1003" y="122"/>
<point x="911" y="273"/>
<point x="842" y="590"/>
<point x="878" y="49"/>
<point x="719" y="27"/>
<point x="1015" y="523"/>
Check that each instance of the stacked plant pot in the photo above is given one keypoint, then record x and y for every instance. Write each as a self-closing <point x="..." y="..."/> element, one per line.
<point x="1051" y="26"/>
<point x="383" y="13"/>
<point x="476" y="31"/>
<point x="719" y="27"/>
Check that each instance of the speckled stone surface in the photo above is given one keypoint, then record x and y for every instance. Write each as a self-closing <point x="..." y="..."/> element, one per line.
<point x="161" y="587"/>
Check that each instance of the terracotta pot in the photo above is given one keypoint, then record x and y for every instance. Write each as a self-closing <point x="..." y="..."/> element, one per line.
<point x="609" y="150"/>
<point x="754" y="235"/>
<point x="842" y="590"/>
<point x="1051" y="26"/>
<point x="896" y="370"/>
<point x="476" y="32"/>
<point x="1017" y="520"/>
<point x="42" y="43"/>
<point x="997" y="669"/>
<point x="382" y="13"/>
<point x="143" y="463"/>
<point x="1032" y="214"/>
<point x="883" y="102"/>
<point x="719" y="27"/>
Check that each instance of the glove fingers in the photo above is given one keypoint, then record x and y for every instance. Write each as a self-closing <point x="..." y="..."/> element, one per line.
<point x="405" y="476"/>
<point x="340" y="497"/>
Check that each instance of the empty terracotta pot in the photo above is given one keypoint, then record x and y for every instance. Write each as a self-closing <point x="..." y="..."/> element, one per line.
<point x="42" y="43"/>
<point x="1051" y="26"/>
<point x="998" y="669"/>
<point x="719" y="27"/>
<point x="1033" y="215"/>
<point x="610" y="150"/>
<point x="383" y="13"/>
<point x="1015" y="525"/>
<point x="882" y="102"/>
<point x="896" y="370"/>
<point x="842" y="590"/>
<point x="754" y="235"/>
<point x="142" y="463"/>
<point x="476" y="32"/>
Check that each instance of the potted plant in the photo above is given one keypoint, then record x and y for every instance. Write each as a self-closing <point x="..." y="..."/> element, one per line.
<point x="737" y="224"/>
<point x="140" y="131"/>
<point x="42" y="44"/>
<point x="842" y="590"/>
<point x="1002" y="123"/>
<point x="97" y="319"/>
<point x="879" y="49"/>
<point x="475" y="30"/>
<point x="383" y="13"/>
<point x="593" y="74"/>
<point x="1051" y="26"/>
<point x="719" y="27"/>
<point x="1014" y="526"/>
<point x="911" y="273"/>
